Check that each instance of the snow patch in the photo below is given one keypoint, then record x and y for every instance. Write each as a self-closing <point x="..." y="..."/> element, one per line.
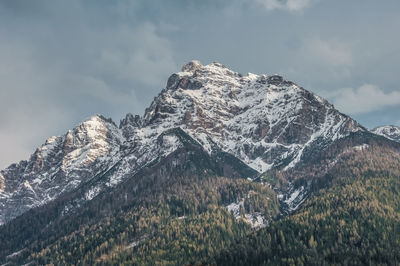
<point x="28" y="186"/>
<point x="49" y="146"/>
<point x="170" y="143"/>
<point x="295" y="198"/>
<point x="256" y="220"/>
<point x="15" y="253"/>
<point x="88" y="143"/>
<point x="137" y="242"/>
<point x="93" y="192"/>
<point x="234" y="208"/>
<point x="294" y="195"/>
<point x="361" y="147"/>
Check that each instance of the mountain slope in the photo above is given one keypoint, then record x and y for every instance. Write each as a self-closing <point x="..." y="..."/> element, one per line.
<point x="353" y="218"/>
<point x="187" y="183"/>
<point x="322" y="167"/>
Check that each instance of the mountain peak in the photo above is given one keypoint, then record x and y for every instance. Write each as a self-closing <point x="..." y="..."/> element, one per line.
<point x="191" y="66"/>
<point x="131" y="120"/>
<point x="391" y="132"/>
<point x="263" y="119"/>
<point x="98" y="118"/>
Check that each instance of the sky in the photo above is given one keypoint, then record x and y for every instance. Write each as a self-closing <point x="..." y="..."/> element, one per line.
<point x="63" y="61"/>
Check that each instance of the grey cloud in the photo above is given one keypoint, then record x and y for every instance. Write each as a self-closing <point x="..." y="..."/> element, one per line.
<point x="289" y="5"/>
<point x="367" y="98"/>
<point x="62" y="61"/>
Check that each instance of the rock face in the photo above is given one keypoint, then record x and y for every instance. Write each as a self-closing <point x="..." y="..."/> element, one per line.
<point x="265" y="121"/>
<point x="390" y="132"/>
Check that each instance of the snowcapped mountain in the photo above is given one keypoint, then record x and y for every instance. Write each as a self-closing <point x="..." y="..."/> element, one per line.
<point x="390" y="132"/>
<point x="265" y="121"/>
<point x="60" y="165"/>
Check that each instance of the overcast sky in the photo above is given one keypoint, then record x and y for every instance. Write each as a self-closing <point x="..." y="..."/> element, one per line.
<point x="63" y="61"/>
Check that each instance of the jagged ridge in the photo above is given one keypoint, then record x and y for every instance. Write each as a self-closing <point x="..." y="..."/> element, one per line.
<point x="264" y="121"/>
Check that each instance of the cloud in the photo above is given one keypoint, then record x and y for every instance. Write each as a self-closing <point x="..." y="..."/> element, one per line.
<point x="138" y="54"/>
<point x="316" y="60"/>
<point x="331" y="52"/>
<point x="288" y="5"/>
<point x="365" y="99"/>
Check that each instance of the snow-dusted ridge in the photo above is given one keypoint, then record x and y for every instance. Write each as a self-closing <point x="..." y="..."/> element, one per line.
<point x="265" y="121"/>
<point x="390" y="132"/>
<point x="60" y="165"/>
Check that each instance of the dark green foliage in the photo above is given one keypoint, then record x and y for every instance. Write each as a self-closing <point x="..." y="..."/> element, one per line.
<point x="356" y="220"/>
<point x="357" y="223"/>
<point x="187" y="217"/>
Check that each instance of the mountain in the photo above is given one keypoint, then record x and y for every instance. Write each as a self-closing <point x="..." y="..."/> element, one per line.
<point x="390" y="132"/>
<point x="222" y="168"/>
<point x="264" y="121"/>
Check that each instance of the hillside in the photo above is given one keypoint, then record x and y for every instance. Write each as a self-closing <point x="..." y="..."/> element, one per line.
<point x="355" y="220"/>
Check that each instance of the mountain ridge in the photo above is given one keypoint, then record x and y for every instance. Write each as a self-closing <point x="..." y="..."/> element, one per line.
<point x="264" y="121"/>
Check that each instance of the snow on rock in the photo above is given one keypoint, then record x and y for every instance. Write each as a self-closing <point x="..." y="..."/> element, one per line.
<point x="170" y="144"/>
<point x="263" y="120"/>
<point x="234" y="208"/>
<point x="256" y="219"/>
<point x="60" y="165"/>
<point x="93" y="192"/>
<point x="15" y="254"/>
<point x="293" y="198"/>
<point x="87" y="143"/>
<point x="361" y="147"/>
<point x="137" y="242"/>
<point x="390" y="132"/>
